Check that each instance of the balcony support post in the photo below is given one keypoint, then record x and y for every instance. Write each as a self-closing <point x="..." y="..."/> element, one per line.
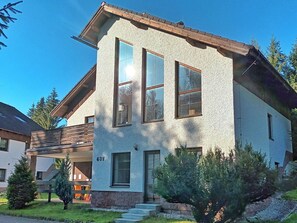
<point x="32" y="163"/>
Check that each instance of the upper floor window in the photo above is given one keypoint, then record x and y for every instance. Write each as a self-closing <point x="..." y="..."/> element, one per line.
<point x="124" y="71"/>
<point x="3" y="144"/>
<point x="188" y="91"/>
<point x="2" y="175"/>
<point x="154" y="87"/>
<point x="270" y="130"/>
<point x="89" y="119"/>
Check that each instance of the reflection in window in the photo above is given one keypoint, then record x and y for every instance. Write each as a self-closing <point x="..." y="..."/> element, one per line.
<point x="154" y="88"/>
<point x="189" y="91"/>
<point x="3" y="144"/>
<point x="121" y="169"/>
<point x="125" y="72"/>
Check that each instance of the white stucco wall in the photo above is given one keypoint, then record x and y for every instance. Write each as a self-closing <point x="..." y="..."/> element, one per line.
<point x="8" y="159"/>
<point x="86" y="109"/>
<point x="43" y="163"/>
<point x="214" y="128"/>
<point x="252" y="125"/>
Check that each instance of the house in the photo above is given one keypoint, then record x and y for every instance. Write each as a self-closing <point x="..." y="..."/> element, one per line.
<point x="159" y="85"/>
<point x="15" y="136"/>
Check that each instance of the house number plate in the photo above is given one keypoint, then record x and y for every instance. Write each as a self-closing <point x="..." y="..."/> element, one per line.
<point x="101" y="158"/>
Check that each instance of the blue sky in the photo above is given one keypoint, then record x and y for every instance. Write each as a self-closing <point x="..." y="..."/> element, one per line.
<point x="41" y="55"/>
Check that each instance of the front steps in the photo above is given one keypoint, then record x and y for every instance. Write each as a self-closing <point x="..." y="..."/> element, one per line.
<point x="140" y="212"/>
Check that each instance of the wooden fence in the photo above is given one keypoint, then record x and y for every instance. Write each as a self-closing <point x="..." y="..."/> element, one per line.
<point x="80" y="189"/>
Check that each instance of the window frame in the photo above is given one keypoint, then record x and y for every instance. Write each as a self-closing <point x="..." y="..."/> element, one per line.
<point x="177" y="64"/>
<point x="270" y="126"/>
<point x="39" y="175"/>
<point x="113" y="183"/>
<point x="7" y="145"/>
<point x="87" y="118"/>
<point x="3" y="180"/>
<point x="117" y="84"/>
<point x="145" y="88"/>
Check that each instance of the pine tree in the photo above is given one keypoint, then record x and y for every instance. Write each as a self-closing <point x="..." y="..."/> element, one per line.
<point x="41" y="112"/>
<point x="63" y="187"/>
<point x="21" y="186"/>
<point x="5" y="18"/>
<point x="275" y="56"/>
<point x="255" y="44"/>
<point x="291" y="72"/>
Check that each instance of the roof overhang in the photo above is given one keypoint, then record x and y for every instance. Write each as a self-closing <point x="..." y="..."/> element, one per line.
<point x="82" y="90"/>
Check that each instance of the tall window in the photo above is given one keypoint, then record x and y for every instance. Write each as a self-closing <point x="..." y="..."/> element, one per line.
<point x="3" y="144"/>
<point x="2" y="175"/>
<point x="123" y="81"/>
<point x="154" y="87"/>
<point x="121" y="169"/>
<point x="188" y="91"/>
<point x="270" y="131"/>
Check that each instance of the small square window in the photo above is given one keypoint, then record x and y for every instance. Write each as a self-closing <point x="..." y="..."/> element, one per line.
<point x="39" y="175"/>
<point x="2" y="175"/>
<point x="89" y="119"/>
<point x="3" y="144"/>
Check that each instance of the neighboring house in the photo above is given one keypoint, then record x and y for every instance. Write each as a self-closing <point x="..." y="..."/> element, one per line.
<point x="160" y="85"/>
<point x="15" y="136"/>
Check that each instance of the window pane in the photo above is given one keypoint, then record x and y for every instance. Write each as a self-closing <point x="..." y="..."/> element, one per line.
<point x="154" y="70"/>
<point x="124" y="107"/>
<point x="189" y="104"/>
<point x="126" y="67"/>
<point x="154" y="105"/>
<point x="89" y="119"/>
<point x="3" y="144"/>
<point x="2" y="174"/>
<point x="121" y="169"/>
<point x="188" y="79"/>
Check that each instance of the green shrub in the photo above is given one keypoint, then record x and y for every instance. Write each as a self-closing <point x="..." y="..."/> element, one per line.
<point x="217" y="186"/>
<point x="21" y="186"/>
<point x="63" y="187"/>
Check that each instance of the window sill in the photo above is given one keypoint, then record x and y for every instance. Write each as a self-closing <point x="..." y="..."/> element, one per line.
<point x="119" y="186"/>
<point x="153" y="121"/>
<point x="190" y="116"/>
<point x="120" y="126"/>
<point x="1" y="150"/>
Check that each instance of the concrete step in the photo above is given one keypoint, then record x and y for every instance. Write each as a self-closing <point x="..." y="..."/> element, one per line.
<point x="141" y="211"/>
<point x="124" y="220"/>
<point x="155" y="207"/>
<point x="134" y="216"/>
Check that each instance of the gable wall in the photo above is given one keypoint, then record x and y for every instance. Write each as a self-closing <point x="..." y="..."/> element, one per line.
<point x="86" y="109"/>
<point x="214" y="128"/>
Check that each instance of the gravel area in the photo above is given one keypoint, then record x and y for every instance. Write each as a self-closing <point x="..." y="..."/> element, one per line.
<point x="11" y="219"/>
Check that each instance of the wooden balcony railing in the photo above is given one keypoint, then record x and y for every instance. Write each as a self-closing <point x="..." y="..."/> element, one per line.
<point x="72" y="135"/>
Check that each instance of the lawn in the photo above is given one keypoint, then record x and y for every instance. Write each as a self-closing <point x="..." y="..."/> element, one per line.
<point x="291" y="195"/>
<point x="165" y="220"/>
<point x="54" y="211"/>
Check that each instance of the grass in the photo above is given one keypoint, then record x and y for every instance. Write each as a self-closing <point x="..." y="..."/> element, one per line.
<point x="54" y="211"/>
<point x="44" y="196"/>
<point x="291" y="195"/>
<point x="3" y="200"/>
<point x="291" y="219"/>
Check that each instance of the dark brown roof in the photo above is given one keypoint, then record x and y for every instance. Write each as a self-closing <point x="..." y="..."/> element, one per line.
<point x="13" y="120"/>
<point x="194" y="37"/>
<point x="78" y="94"/>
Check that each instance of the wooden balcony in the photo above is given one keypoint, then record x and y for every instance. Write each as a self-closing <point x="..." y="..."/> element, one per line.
<point x="70" y="138"/>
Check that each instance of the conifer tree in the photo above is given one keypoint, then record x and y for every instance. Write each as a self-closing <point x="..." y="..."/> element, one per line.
<point x="255" y="44"/>
<point x="291" y="72"/>
<point x="41" y="112"/>
<point x="6" y="18"/>
<point x="275" y="56"/>
<point x="63" y="187"/>
<point x="21" y="186"/>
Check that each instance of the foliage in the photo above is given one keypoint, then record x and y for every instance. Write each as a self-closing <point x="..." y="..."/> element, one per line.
<point x="275" y="56"/>
<point x="217" y="186"/>
<point x="259" y="180"/>
<point x="63" y="187"/>
<point x="21" y="186"/>
<point x="290" y="195"/>
<point x="5" y="18"/>
<point x="255" y="44"/>
<point x="41" y="113"/>
<point x="77" y="213"/>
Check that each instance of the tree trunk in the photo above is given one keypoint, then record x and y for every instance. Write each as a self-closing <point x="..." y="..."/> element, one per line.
<point x="65" y="206"/>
